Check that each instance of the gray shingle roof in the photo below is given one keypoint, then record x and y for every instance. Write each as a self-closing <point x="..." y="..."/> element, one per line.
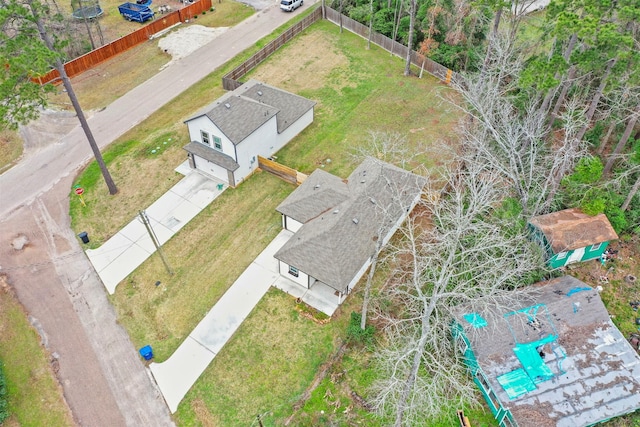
<point x="333" y="245"/>
<point x="290" y="106"/>
<point x="238" y="117"/>
<point x="212" y="155"/>
<point x="249" y="110"/>
<point x="596" y="372"/>
<point x="318" y="193"/>
<point x="571" y="229"/>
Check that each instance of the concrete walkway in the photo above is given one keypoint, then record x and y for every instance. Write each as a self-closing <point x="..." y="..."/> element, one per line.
<point x="100" y="371"/>
<point x="130" y="247"/>
<point x="177" y="374"/>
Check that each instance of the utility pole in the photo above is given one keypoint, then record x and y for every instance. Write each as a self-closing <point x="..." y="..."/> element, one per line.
<point x="154" y="239"/>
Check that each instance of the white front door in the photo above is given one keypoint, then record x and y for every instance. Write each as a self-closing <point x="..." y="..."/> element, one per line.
<point x="575" y="256"/>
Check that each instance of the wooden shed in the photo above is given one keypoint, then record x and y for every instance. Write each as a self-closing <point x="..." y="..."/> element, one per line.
<point x="570" y="236"/>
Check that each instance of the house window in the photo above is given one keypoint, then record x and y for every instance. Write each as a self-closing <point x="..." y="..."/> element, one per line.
<point x="217" y="143"/>
<point x="293" y="271"/>
<point x="205" y="137"/>
<point x="562" y="255"/>
<point x="596" y="247"/>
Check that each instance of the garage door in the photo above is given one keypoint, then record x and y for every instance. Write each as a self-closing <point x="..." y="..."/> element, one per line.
<point x="212" y="169"/>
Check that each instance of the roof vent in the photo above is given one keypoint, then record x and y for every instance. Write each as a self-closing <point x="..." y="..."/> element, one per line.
<point x="259" y="93"/>
<point x="315" y="187"/>
<point x="227" y="105"/>
<point x="362" y="182"/>
<point x="355" y="220"/>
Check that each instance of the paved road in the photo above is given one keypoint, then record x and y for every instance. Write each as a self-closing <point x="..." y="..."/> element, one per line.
<point x="67" y="156"/>
<point x="102" y="376"/>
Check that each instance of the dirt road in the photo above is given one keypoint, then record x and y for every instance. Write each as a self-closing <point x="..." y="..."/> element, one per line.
<point x="103" y="379"/>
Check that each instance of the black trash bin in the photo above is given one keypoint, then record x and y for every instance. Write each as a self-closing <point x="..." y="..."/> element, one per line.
<point x="84" y="237"/>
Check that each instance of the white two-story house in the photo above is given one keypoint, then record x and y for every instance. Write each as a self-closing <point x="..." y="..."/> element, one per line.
<point x="253" y="120"/>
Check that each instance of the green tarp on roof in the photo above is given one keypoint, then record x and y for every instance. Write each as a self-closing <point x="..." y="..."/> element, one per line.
<point x="533" y="364"/>
<point x="516" y="383"/>
<point x="475" y="319"/>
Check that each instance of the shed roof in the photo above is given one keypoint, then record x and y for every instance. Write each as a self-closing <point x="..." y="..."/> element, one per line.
<point x="336" y="241"/>
<point x="571" y="229"/>
<point x="590" y="373"/>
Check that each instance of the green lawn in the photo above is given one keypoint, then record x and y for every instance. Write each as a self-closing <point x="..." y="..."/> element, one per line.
<point x="275" y="354"/>
<point x="35" y="397"/>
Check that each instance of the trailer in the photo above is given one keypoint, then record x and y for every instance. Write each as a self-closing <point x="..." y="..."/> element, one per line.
<point x="135" y="12"/>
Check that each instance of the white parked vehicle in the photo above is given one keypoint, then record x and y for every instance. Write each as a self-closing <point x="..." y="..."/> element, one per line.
<point x="290" y="5"/>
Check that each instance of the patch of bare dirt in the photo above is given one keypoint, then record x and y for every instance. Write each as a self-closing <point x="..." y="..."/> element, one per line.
<point x="48" y="129"/>
<point x="322" y="60"/>
<point x="202" y="413"/>
<point x="188" y="39"/>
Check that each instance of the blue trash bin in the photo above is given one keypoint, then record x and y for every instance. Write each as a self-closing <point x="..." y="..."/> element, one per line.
<point x="146" y="352"/>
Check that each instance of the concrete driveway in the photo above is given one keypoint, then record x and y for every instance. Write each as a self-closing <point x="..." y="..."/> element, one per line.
<point x="130" y="247"/>
<point x="104" y="381"/>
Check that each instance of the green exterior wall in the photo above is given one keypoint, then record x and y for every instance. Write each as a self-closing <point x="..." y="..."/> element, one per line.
<point x="552" y="258"/>
<point x="588" y="254"/>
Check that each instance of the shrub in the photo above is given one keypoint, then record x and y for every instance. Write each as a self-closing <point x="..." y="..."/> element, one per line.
<point x="357" y="335"/>
<point x="4" y="410"/>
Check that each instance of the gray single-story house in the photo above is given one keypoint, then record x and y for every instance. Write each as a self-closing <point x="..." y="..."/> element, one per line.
<point x="254" y="120"/>
<point x="338" y="222"/>
<point x="549" y="355"/>
<point x="570" y="236"/>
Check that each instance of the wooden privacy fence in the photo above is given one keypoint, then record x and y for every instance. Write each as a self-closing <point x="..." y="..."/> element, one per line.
<point x="231" y="80"/>
<point x="392" y="46"/>
<point x="103" y="53"/>
<point x="281" y="171"/>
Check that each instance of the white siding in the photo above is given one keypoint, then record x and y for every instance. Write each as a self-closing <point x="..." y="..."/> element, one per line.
<point x="302" y="279"/>
<point x="258" y="143"/>
<point x="212" y="169"/>
<point x="290" y="132"/>
<point x="291" y="224"/>
<point x="204" y="123"/>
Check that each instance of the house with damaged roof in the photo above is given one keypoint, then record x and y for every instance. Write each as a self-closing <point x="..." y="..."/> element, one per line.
<point x="570" y="236"/>
<point x="549" y="355"/>
<point x="340" y="224"/>
<point x="253" y="120"/>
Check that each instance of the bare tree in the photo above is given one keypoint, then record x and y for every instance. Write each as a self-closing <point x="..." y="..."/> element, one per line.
<point x="510" y="134"/>
<point x="391" y="148"/>
<point x="631" y="194"/>
<point x="459" y="254"/>
<point x="413" y="10"/>
<point x="633" y="118"/>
